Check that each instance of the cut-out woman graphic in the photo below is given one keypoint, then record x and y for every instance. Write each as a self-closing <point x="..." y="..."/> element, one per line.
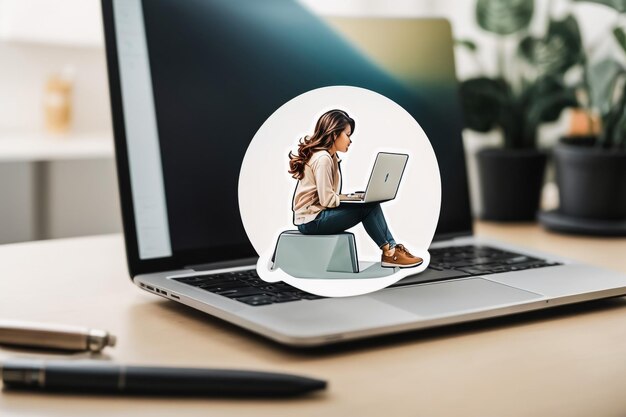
<point x="317" y="207"/>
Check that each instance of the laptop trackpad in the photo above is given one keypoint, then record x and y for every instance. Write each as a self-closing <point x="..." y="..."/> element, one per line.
<point x="452" y="297"/>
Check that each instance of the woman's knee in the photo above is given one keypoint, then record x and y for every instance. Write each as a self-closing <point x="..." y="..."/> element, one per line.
<point x="371" y="208"/>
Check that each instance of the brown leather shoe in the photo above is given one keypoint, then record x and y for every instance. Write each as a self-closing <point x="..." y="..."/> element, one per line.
<point x="401" y="258"/>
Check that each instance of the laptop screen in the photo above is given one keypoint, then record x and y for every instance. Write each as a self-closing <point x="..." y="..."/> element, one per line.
<point x="192" y="81"/>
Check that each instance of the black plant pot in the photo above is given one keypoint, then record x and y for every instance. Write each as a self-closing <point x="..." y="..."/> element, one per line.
<point x="511" y="182"/>
<point x="591" y="181"/>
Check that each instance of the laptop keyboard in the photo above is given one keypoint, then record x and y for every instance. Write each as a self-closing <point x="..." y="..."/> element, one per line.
<point x="247" y="287"/>
<point x="483" y="259"/>
<point x="446" y="263"/>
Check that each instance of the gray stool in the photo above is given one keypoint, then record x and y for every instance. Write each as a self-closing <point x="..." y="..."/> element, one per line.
<point x="314" y="256"/>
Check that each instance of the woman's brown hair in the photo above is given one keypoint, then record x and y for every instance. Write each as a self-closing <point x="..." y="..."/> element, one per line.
<point x="328" y="127"/>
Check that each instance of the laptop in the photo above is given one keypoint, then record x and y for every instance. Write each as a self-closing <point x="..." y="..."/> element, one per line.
<point x="192" y="81"/>
<point x="384" y="180"/>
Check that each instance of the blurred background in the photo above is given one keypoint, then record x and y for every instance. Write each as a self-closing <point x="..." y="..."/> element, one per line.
<point x="57" y="171"/>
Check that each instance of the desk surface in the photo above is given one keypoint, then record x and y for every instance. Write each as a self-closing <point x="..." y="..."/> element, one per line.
<point x="570" y="362"/>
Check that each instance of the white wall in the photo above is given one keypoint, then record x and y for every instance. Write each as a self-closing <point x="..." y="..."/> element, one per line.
<point x="37" y="39"/>
<point x="74" y="22"/>
<point x="23" y="72"/>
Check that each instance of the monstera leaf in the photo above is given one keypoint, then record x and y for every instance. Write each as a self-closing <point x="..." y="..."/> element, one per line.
<point x="543" y="101"/>
<point x="556" y="52"/>
<point x="482" y="99"/>
<point x="614" y="121"/>
<point x="547" y="98"/>
<point x="602" y="79"/>
<point x="542" y="97"/>
<point x="504" y="17"/>
<point x="614" y="124"/>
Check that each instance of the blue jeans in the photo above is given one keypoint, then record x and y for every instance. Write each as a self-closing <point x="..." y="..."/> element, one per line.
<point x="342" y="218"/>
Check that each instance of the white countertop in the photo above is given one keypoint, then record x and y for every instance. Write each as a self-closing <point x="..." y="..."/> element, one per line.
<point x="30" y="147"/>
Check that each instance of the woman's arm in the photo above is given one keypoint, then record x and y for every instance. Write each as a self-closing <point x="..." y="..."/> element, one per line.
<point x="323" y="170"/>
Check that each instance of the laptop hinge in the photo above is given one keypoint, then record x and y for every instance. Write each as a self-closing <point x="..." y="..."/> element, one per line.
<point x="451" y="236"/>
<point x="224" y="264"/>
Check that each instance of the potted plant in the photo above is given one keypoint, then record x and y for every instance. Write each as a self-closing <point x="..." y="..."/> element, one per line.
<point x="591" y="170"/>
<point x="528" y="90"/>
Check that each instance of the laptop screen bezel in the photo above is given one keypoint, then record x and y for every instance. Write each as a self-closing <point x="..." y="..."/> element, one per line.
<point x="179" y="259"/>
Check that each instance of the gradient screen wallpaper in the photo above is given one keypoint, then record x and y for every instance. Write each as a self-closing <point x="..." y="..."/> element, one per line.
<point x="220" y="68"/>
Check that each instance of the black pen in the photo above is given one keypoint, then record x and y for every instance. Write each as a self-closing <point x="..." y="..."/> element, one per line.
<point x="99" y="377"/>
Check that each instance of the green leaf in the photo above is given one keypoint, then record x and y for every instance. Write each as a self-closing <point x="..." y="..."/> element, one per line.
<point x="543" y="101"/>
<point x="482" y="99"/>
<point x="504" y="17"/>
<point x="619" y="132"/>
<point x="602" y="77"/>
<point x="614" y="124"/>
<point x="466" y="43"/>
<point x="548" y="108"/>
<point x="557" y="51"/>
<point x="620" y="36"/>
<point x="619" y="5"/>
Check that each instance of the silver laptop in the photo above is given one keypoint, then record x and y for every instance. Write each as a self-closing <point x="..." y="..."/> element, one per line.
<point x="190" y="84"/>
<point x="384" y="180"/>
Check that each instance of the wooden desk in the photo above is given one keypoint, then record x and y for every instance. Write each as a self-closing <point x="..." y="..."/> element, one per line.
<point x="569" y="362"/>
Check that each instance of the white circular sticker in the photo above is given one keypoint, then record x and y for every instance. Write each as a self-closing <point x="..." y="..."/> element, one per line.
<point x="344" y="262"/>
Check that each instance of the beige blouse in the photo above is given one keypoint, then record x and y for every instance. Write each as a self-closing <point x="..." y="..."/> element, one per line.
<point x="318" y="189"/>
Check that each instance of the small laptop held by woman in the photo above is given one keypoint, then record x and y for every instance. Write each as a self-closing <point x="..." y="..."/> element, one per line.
<point x="384" y="180"/>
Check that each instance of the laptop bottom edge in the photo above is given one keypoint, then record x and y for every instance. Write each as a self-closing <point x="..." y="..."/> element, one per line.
<point x="253" y="318"/>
